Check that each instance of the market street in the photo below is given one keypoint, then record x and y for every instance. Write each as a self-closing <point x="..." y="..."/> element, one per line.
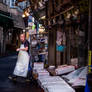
<point x="45" y="45"/>
<point x="6" y="68"/>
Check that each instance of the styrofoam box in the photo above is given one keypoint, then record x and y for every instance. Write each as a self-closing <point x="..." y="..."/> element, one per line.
<point x="82" y="75"/>
<point x="73" y="74"/>
<point x="50" y="80"/>
<point x="59" y="83"/>
<point x="79" y="82"/>
<point x="42" y="77"/>
<point x="60" y="88"/>
<point x="54" y="84"/>
<point x="63" y="70"/>
<point x="38" y="65"/>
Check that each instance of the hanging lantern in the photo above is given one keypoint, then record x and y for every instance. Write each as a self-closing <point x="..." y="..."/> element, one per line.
<point x="76" y="12"/>
<point x="54" y="21"/>
<point x="68" y="16"/>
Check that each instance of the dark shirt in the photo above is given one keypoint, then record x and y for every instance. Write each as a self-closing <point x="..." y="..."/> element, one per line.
<point x="26" y="44"/>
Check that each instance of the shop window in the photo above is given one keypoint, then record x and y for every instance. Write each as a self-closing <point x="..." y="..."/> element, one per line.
<point x="13" y="2"/>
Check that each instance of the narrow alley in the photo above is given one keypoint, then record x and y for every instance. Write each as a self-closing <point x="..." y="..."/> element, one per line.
<point x="6" y="68"/>
<point x="45" y="45"/>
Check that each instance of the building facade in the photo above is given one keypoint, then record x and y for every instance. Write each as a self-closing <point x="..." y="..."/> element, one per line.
<point x="11" y="25"/>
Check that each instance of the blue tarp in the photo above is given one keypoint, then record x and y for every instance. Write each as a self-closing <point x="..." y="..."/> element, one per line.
<point x="87" y="88"/>
<point x="60" y="48"/>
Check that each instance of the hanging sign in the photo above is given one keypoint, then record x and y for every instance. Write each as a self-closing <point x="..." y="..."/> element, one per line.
<point x="60" y="48"/>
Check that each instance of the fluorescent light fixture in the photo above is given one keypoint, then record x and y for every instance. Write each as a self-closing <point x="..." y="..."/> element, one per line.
<point x="43" y="17"/>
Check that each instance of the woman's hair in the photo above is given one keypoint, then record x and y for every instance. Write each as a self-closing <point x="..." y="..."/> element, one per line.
<point x="23" y="34"/>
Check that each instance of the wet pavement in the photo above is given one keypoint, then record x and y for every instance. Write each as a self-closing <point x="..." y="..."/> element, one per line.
<point x="7" y="65"/>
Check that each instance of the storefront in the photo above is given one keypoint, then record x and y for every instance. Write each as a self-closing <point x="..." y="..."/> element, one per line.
<point x="67" y="49"/>
<point x="67" y="34"/>
<point x="11" y="25"/>
<point x="6" y="23"/>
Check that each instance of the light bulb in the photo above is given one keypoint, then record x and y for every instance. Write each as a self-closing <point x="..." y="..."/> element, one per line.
<point x="23" y="15"/>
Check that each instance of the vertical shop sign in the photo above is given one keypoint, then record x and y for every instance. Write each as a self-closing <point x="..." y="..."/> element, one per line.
<point x="89" y="60"/>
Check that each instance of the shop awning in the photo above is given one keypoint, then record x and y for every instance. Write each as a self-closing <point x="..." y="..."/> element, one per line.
<point x="6" y="20"/>
<point x="2" y="15"/>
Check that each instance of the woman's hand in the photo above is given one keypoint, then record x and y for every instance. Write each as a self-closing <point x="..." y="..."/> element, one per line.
<point x="24" y="49"/>
<point x="18" y="49"/>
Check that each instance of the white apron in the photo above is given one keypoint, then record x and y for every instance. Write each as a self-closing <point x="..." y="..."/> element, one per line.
<point x="21" y="67"/>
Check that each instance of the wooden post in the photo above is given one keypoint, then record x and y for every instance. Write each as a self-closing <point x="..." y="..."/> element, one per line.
<point x="1" y="32"/>
<point x="52" y="47"/>
<point x="68" y="44"/>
